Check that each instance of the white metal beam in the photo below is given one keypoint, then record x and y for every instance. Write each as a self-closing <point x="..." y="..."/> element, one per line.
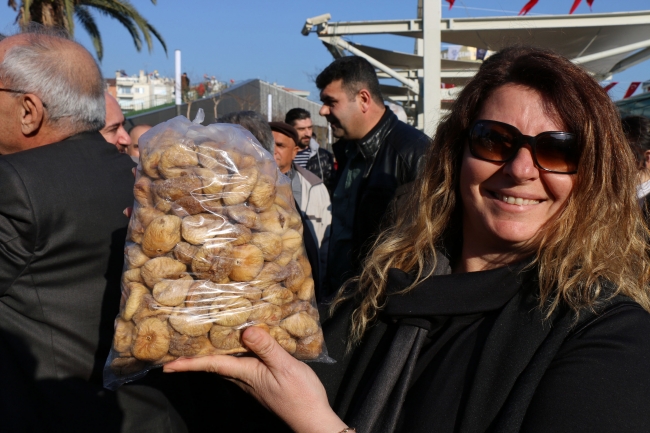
<point x="430" y="94"/>
<point x="630" y="61"/>
<point x="613" y="52"/>
<point x="414" y="86"/>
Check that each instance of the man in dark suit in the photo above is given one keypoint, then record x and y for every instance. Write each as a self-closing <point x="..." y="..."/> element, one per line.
<point x="63" y="190"/>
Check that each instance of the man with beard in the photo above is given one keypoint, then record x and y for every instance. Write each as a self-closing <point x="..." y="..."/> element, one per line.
<point x="376" y="154"/>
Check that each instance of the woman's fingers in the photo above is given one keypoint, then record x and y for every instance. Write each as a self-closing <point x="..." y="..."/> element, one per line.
<point x="269" y="351"/>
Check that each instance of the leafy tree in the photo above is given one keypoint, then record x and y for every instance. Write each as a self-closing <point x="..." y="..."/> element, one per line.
<point x="61" y="13"/>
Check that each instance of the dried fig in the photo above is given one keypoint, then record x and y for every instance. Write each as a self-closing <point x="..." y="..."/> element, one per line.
<point x="244" y="215"/>
<point x="193" y="325"/>
<point x="283" y="338"/>
<point x="296" y="276"/>
<point x="161" y="204"/>
<point x="263" y="193"/>
<point x="142" y="191"/>
<point x="175" y="161"/>
<point x="177" y="187"/>
<point x="134" y="256"/>
<point x="269" y="243"/>
<point x="306" y="291"/>
<point x="165" y="359"/>
<point x="231" y="311"/>
<point x="136" y="292"/>
<point x="151" y="341"/>
<point x="246" y="161"/>
<point x="184" y="252"/>
<point x="240" y="186"/>
<point x="277" y="295"/>
<point x="242" y="235"/>
<point x="248" y="262"/>
<point x="185" y="206"/>
<point x="297" y="306"/>
<point x="147" y="214"/>
<point x="303" y="261"/>
<point x="200" y="228"/>
<point x="184" y="345"/>
<point x="213" y="180"/>
<point x="310" y="347"/>
<point x="265" y="313"/>
<point x="149" y="159"/>
<point x="136" y="230"/>
<point x="123" y="336"/>
<point x="161" y="268"/>
<point x="171" y="292"/>
<point x="210" y="156"/>
<point x="291" y="241"/>
<point x="283" y="259"/>
<point x="161" y="236"/>
<point x="132" y="276"/>
<point x="300" y="325"/>
<point x="274" y="220"/>
<point x="150" y="308"/>
<point x="213" y="261"/>
<point x="224" y="337"/>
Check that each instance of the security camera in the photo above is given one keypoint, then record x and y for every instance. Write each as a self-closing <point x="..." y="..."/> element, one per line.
<point x="320" y="21"/>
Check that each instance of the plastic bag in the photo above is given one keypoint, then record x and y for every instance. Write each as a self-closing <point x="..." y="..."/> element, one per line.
<point x="214" y="245"/>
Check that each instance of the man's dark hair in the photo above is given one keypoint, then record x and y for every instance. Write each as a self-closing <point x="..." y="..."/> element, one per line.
<point x="356" y="73"/>
<point x="255" y="123"/>
<point x="296" y="114"/>
<point x="637" y="133"/>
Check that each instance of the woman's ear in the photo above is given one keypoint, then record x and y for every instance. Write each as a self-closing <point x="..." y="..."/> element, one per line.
<point x="646" y="158"/>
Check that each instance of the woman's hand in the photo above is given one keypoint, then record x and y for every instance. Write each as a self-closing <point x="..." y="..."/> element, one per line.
<point x="278" y="381"/>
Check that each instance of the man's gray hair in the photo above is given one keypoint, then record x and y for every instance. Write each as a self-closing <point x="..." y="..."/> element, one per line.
<point x="72" y="91"/>
<point x="256" y="125"/>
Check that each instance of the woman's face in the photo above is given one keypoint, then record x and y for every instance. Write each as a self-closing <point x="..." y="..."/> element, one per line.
<point x="506" y="204"/>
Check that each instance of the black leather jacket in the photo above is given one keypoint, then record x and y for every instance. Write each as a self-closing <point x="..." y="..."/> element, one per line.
<point x="394" y="152"/>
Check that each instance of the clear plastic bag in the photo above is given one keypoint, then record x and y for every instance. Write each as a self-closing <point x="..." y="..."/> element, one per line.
<point x="214" y="245"/>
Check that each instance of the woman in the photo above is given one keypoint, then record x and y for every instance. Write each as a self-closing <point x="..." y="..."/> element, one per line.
<point x="511" y="293"/>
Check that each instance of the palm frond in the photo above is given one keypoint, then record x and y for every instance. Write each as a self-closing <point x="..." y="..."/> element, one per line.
<point x="26" y="17"/>
<point x="68" y="8"/>
<point x="90" y="26"/>
<point x="124" y="9"/>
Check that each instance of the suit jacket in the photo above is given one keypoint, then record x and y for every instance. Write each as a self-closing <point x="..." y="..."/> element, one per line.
<point x="62" y="234"/>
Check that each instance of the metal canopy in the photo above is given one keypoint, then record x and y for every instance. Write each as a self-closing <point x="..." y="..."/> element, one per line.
<point x="602" y="43"/>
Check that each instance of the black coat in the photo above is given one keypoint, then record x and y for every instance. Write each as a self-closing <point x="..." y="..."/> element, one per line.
<point x="394" y="152"/>
<point x="62" y="235"/>
<point x="530" y="374"/>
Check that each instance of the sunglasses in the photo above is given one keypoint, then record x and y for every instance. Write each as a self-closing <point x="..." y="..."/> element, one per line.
<point x="553" y="151"/>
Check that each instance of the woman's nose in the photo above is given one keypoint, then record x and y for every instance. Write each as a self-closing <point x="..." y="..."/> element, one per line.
<point x="522" y="167"/>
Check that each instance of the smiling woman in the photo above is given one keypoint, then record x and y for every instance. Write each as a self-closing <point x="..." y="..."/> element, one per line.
<point x="511" y="293"/>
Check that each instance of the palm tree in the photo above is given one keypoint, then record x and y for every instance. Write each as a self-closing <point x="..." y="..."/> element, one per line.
<point x="61" y="13"/>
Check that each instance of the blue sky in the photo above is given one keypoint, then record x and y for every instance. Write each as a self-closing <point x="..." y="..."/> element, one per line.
<point x="261" y="39"/>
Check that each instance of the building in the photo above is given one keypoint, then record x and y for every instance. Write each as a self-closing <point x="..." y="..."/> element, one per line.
<point x="143" y="91"/>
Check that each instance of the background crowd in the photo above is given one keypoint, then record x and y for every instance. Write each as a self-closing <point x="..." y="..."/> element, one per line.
<point x="390" y="211"/>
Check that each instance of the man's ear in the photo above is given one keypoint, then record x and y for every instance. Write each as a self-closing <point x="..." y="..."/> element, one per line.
<point x="365" y="100"/>
<point x="646" y="158"/>
<point x="32" y="114"/>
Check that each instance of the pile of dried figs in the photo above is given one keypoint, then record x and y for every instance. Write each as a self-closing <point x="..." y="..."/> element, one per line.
<point x="214" y="245"/>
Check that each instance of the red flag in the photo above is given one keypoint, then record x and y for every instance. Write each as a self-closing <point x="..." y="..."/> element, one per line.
<point x="590" y="3"/>
<point x="610" y="85"/>
<point x="451" y="3"/>
<point x="631" y="89"/>
<point x="576" y="3"/>
<point x="527" y="7"/>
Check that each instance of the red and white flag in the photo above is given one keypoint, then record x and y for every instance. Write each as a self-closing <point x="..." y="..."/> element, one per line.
<point x="630" y="90"/>
<point x="610" y="85"/>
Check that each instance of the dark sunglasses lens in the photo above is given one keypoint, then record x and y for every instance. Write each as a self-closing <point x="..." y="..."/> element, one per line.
<point x="491" y="142"/>
<point x="557" y="151"/>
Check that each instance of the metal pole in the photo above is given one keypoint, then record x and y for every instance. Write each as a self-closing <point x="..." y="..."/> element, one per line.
<point x="269" y="108"/>
<point x="430" y="91"/>
<point x="179" y="98"/>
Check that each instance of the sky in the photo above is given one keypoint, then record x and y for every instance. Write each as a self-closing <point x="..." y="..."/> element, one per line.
<point x="246" y="39"/>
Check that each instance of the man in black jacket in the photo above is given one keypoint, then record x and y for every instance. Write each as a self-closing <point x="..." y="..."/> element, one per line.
<point x="376" y="154"/>
<point x="62" y="230"/>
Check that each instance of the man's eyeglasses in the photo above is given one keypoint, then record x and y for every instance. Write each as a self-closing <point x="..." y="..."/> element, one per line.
<point x="552" y="151"/>
<point x="21" y="92"/>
